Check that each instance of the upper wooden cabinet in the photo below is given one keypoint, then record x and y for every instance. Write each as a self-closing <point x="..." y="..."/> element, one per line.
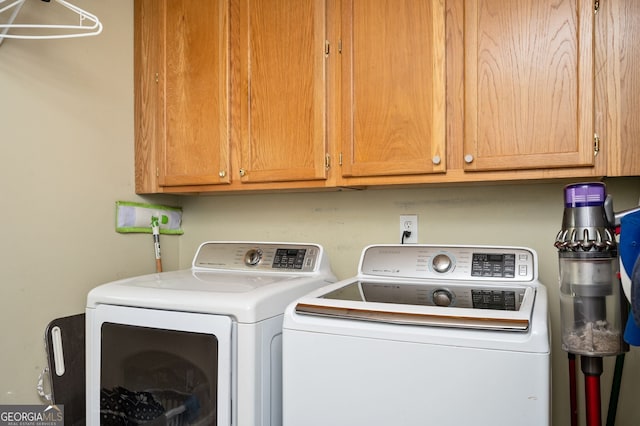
<point x="182" y="101"/>
<point x="230" y="94"/>
<point x="529" y="91"/>
<point x="393" y="87"/>
<point x="518" y="98"/>
<point x="282" y="90"/>
<point x="618" y="83"/>
<point x="234" y="95"/>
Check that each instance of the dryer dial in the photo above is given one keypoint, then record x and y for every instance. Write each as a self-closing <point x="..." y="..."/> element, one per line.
<point x="441" y="263"/>
<point x="252" y="257"/>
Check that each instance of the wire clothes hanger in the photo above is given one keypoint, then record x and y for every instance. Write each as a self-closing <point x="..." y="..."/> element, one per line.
<point x="89" y="24"/>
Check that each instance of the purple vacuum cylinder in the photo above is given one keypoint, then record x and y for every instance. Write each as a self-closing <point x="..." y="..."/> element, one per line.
<point x="585" y="195"/>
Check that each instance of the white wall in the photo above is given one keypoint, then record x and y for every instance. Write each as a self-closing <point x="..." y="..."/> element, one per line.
<point x="66" y="156"/>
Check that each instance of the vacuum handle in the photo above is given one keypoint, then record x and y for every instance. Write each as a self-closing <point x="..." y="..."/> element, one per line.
<point x="618" y="216"/>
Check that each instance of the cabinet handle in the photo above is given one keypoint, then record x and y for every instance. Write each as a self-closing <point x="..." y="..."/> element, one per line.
<point x="242" y="172"/>
<point x="468" y="158"/>
<point x="222" y="173"/>
<point x="436" y="159"/>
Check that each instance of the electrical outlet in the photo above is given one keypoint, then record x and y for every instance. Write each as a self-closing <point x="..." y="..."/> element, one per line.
<point x="409" y="223"/>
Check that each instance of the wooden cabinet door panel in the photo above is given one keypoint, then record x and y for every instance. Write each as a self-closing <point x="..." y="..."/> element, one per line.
<point x="196" y="93"/>
<point x="620" y="58"/>
<point x="528" y="84"/>
<point x="393" y="97"/>
<point x="283" y="90"/>
<point x="147" y="47"/>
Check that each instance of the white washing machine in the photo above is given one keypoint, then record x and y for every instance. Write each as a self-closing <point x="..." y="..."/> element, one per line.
<point x="423" y="335"/>
<point x="198" y="346"/>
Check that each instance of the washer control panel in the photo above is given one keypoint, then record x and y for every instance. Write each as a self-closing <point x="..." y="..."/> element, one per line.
<point x="477" y="263"/>
<point x="493" y="265"/>
<point x="273" y="257"/>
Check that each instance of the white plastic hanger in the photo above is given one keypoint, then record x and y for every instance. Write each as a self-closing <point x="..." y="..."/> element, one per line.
<point x="89" y="24"/>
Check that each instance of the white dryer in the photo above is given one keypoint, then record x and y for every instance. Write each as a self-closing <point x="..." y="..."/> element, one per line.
<point x="199" y="346"/>
<point x="423" y="335"/>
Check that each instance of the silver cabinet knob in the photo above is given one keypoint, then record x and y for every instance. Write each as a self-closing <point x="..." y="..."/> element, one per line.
<point x="436" y="159"/>
<point x="222" y="173"/>
<point x="468" y="158"/>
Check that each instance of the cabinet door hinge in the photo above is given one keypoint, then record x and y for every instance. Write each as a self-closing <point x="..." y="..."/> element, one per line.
<point x="596" y="6"/>
<point x="327" y="47"/>
<point x="596" y="144"/>
<point x="327" y="161"/>
<point x="157" y="77"/>
<point x="340" y="46"/>
<point x="157" y="171"/>
<point x="340" y="159"/>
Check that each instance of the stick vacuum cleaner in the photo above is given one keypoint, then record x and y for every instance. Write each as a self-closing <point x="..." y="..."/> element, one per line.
<point x="591" y="306"/>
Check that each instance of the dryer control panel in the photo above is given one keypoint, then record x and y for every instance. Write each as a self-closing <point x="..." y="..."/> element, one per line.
<point x="454" y="262"/>
<point x="263" y="257"/>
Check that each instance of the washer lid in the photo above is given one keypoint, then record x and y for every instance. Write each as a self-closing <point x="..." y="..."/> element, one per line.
<point x="459" y="306"/>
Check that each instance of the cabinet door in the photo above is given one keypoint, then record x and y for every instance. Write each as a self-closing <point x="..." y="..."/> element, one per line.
<point x="393" y="94"/>
<point x="146" y="102"/>
<point x="528" y="84"/>
<point x="282" y="90"/>
<point x="194" y="76"/>
<point x="619" y="57"/>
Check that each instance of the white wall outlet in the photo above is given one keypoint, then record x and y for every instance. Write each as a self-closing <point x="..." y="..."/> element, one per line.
<point x="409" y="223"/>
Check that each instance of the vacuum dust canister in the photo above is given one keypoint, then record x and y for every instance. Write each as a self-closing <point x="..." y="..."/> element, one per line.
<point x="590" y="299"/>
